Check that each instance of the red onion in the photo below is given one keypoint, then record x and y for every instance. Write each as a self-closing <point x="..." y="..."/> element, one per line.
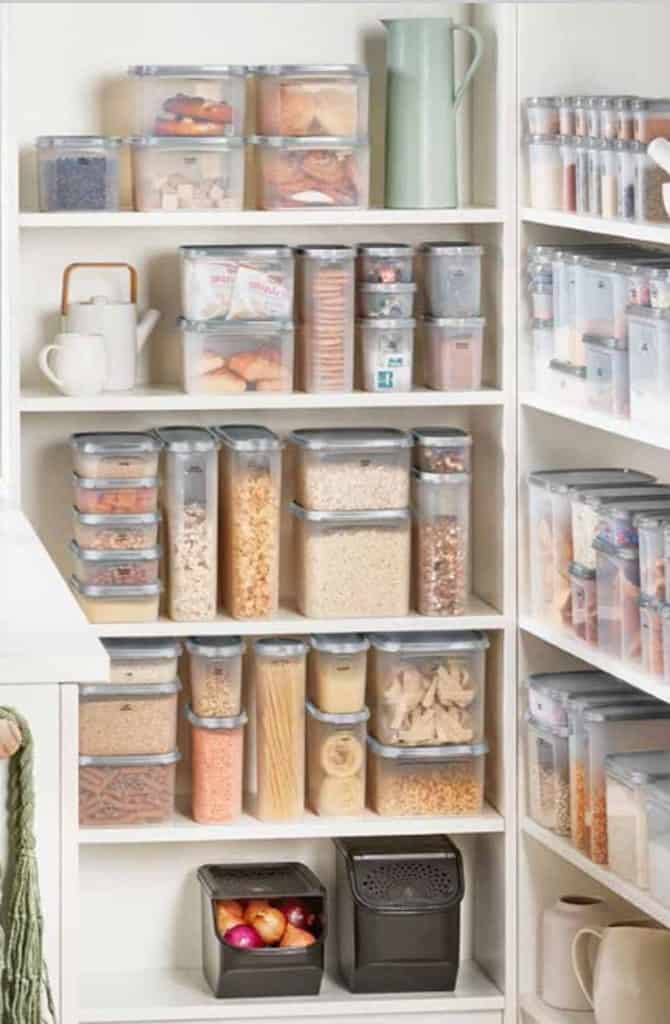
<point x="243" y="936"/>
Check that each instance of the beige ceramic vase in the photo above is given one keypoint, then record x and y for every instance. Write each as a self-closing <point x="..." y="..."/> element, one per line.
<point x="559" y="926"/>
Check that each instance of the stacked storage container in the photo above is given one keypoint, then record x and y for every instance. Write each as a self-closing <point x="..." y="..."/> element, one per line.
<point x="386" y="294"/>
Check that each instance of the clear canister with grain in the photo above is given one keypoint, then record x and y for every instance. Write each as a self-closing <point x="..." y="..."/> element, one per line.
<point x="336" y="672"/>
<point x="217" y="763"/>
<point x="215" y="665"/>
<point x="325" y="316"/>
<point x="441" y="526"/>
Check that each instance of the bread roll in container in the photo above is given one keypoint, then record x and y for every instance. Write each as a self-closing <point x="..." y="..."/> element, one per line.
<point x="320" y="171"/>
<point x="189" y="100"/>
<point x="336" y="761"/>
<point x="229" y="358"/>
<point x="336" y="672"/>
<point x="312" y="99"/>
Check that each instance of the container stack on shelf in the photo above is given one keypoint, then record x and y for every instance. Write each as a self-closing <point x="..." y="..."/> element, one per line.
<point x="386" y="293"/>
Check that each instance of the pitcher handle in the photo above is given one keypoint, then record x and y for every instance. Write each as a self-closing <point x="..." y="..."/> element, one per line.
<point x="580" y="964"/>
<point x="43" y="362"/>
<point x="80" y="266"/>
<point x="476" y="36"/>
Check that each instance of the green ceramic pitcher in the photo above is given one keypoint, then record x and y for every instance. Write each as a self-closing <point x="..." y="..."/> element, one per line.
<point x="422" y="100"/>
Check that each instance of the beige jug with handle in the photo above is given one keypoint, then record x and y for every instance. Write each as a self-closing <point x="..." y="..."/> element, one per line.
<point x="630" y="982"/>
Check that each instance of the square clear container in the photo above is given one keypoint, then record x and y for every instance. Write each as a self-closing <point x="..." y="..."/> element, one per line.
<point x="426" y="780"/>
<point x="627" y="778"/>
<point x="453" y="353"/>
<point x="607" y="382"/>
<point x="579" y="107"/>
<point x="336" y="759"/>
<point x="566" y="116"/>
<point x="568" y="174"/>
<point x="337" y="672"/>
<point x="294" y="173"/>
<point x="659" y="288"/>
<point x="278" y="680"/>
<point x="351" y="468"/>
<point x="385" y="263"/>
<point x="190" y="500"/>
<point x="142" y="660"/>
<point x="121" y="496"/>
<point x="189" y="99"/>
<point x="352" y="564"/>
<point x="550" y="693"/>
<point x="584" y="605"/>
<point x="586" y="512"/>
<point x="217" y="767"/>
<point x="601" y="291"/>
<point x="651" y="635"/>
<point x="237" y="282"/>
<point x="118" y="604"/>
<point x="618" y="588"/>
<point x="593" y="160"/>
<point x="651" y="119"/>
<point x="649" y="346"/>
<point x="609" y="180"/>
<point x="592" y="106"/>
<point x="441" y="542"/>
<point x="78" y="172"/>
<point x="215" y="671"/>
<point x="625" y="167"/>
<point x="229" y="358"/>
<point x="128" y="719"/>
<point x="623" y="106"/>
<point x="657" y="805"/>
<point x="542" y="114"/>
<point x="545" y="172"/>
<point x="391" y="301"/>
<point x="250" y="512"/>
<point x="543" y="340"/>
<point x="93" y="567"/>
<point x="312" y="99"/>
<point x="649" y="181"/>
<point x="582" y="198"/>
<point x="568" y="382"/>
<point x="452" y="279"/>
<point x="128" y="790"/>
<point x="427" y="688"/>
<point x="651" y="531"/>
<point x="442" y="450"/>
<point x="541" y="300"/>
<point x="187" y="174"/>
<point x="115" y="532"/>
<point x="548" y="777"/>
<point x="617" y="520"/>
<point x="608" y="117"/>
<point x="386" y="350"/>
<point x="325" y="315"/>
<point x="115" y="455"/>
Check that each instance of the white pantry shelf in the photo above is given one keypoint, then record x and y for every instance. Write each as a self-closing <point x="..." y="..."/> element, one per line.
<point x="599" y="420"/>
<point x="657" y="234"/>
<point x="537" y="1010"/>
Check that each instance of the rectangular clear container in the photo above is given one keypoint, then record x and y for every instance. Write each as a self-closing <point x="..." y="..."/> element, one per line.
<point x="111" y="568"/>
<point x="278" y="680"/>
<point x="651" y="543"/>
<point x="312" y="99"/>
<point x="545" y="172"/>
<point x="325" y="315"/>
<point x="566" y="116"/>
<point x="441" y="542"/>
<point x="123" y="496"/>
<point x="385" y="263"/>
<point x="568" y="383"/>
<point x="601" y="290"/>
<point x="607" y="382"/>
<point x="625" y="169"/>
<point x="337" y="671"/>
<point x="659" y="288"/>
<point x="657" y="805"/>
<point x="649" y="346"/>
<point x="115" y="532"/>
<point x="593" y="160"/>
<point x="592" y="106"/>
<point x="228" y="358"/>
<point x="237" y="282"/>
<point x="452" y="279"/>
<point x="618" y="588"/>
<point x="442" y="450"/>
<point x="651" y="635"/>
<point x="623" y="106"/>
<point x="548" y="777"/>
<point x="651" y="119"/>
<point x="217" y="767"/>
<point x="550" y="693"/>
<point x="118" y="604"/>
<point x="453" y="353"/>
<point x="128" y="790"/>
<point x="142" y="660"/>
<point x="128" y="719"/>
<point x="649" y="181"/>
<point x="543" y="340"/>
<point x="542" y="114"/>
<point x="190" y="499"/>
<point x="586" y="509"/>
<point x="579" y="107"/>
<point x="386" y="353"/>
<point x="617" y="522"/>
<point x="427" y="689"/>
<point x="299" y="173"/>
<point x="584" y="605"/>
<point x="426" y="780"/>
<point x="609" y="180"/>
<point x="215" y="671"/>
<point x="250" y="512"/>
<point x="569" y="174"/>
<point x="115" y="455"/>
<point x="352" y="564"/>
<point x="187" y="174"/>
<point x="627" y="778"/>
<point x="78" y="172"/>
<point x="189" y="99"/>
<point x="608" y="117"/>
<point x="351" y="468"/>
<point x="541" y="300"/>
<point x="582" y="198"/>
<point x="336" y="758"/>
<point x="389" y="301"/>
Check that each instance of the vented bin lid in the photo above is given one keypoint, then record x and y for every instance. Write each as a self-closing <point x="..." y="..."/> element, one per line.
<point x="249" y="881"/>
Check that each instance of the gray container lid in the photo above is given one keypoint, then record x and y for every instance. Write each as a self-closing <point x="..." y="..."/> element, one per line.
<point x="386" y="324"/>
<point x="658" y="103"/>
<point x="541" y="101"/>
<point x="247" y="438"/>
<point x="581" y="572"/>
<point x="351" y="439"/>
<point x="234" y="328"/>
<point x="188" y="70"/>
<point x="129" y="760"/>
<point x="451" y="248"/>
<point x="115" y="443"/>
<point x="329" y="253"/>
<point x="615" y="344"/>
<point x="430" y="643"/>
<point x="385" y="249"/>
<point x="545" y="140"/>
<point x="92" y="691"/>
<point x="617" y="713"/>
<point x="645" y="520"/>
<point x="382" y="289"/>
<point x="625" y="553"/>
<point x="279" y="647"/>
<point x="442" y="437"/>
<point x="229" y="722"/>
<point x="141" y="648"/>
<point x="308" y="141"/>
<point x="343" y="643"/>
<point x="215" y="646"/>
<point x="118" y="521"/>
<point x="606" y="494"/>
<point x="103" y="483"/>
<point x="350" y="518"/>
<point x="542" y="325"/>
<point x="562" y="480"/>
<point x="568" y="368"/>
<point x="584" y="679"/>
<point x="440" y="479"/>
<point x="632" y="506"/>
<point x="117" y="592"/>
<point x="187" y="439"/>
<point x="78" y="142"/>
<point x="349" y="718"/>
<point x="647" y="313"/>
<point x="213" y="143"/>
<point x="121" y="555"/>
<point x="315" y="70"/>
<point x="236" y="251"/>
<point x="442" y="753"/>
<point x="454" y="321"/>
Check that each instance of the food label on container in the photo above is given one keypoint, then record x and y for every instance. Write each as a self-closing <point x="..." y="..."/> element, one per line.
<point x="392" y="370"/>
<point x="599" y="303"/>
<point x="645" y="359"/>
<point x="257" y="296"/>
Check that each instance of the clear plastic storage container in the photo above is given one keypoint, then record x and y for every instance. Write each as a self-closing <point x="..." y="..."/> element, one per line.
<point x="78" y="172"/>
<point x="544" y="349"/>
<point x="649" y="181"/>
<point x="189" y="99"/>
<point x="128" y="719"/>
<point x="453" y="353"/>
<point x="351" y="468"/>
<point x="588" y="508"/>
<point x="623" y="106"/>
<point x="325" y="315"/>
<point x="584" y="605"/>
<point x="386" y="353"/>
<point x="385" y="263"/>
<point x="128" y="790"/>
<point x="224" y="358"/>
<point x="118" y="604"/>
<point x="618" y="588"/>
<point x="593" y="160"/>
<point x="658" y="830"/>
<point x="426" y="780"/>
<point x="651" y="543"/>
<point x="609" y="180"/>
<point x="190" y="498"/>
<point x="217" y="767"/>
<point x="548" y="776"/>
<point x="601" y="289"/>
<point x="123" y="496"/>
<point x="115" y="532"/>
<point x="312" y="99"/>
<point x="394" y="301"/>
<point x="111" y="568"/>
<point x="187" y="174"/>
<point x="542" y="113"/>
<point x="427" y="689"/>
<point x="607" y="382"/>
<point x="651" y="635"/>
<point x="627" y="776"/>
<point x="651" y="119"/>
<point x="592" y="107"/>
<point x="142" y="660"/>
<point x="442" y="450"/>
<point x="336" y="672"/>
<point x="352" y="564"/>
<point x="625" y="167"/>
<point x="237" y="282"/>
<point x="649" y="346"/>
<point x="568" y="382"/>
<point x="569" y="174"/>
<point x="294" y="173"/>
<point x="215" y="671"/>
<point x="566" y="116"/>
<point x="441" y="542"/>
<point x="608" y="117"/>
<point x="336" y="762"/>
<point x="115" y="455"/>
<point x="582" y="198"/>
<point x="250" y="479"/>
<point x="550" y="693"/>
<point x="659" y="288"/>
<point x="618" y="520"/>
<point x="541" y="300"/>
<point x="452" y="279"/>
<point x="545" y="171"/>
<point x="579" y="107"/>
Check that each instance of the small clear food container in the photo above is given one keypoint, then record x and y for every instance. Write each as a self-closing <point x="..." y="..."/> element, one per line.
<point x="628" y="776"/>
<point x="187" y="174"/>
<point x="351" y="468"/>
<point x="127" y="790"/>
<point x="658" y="830"/>
<point x="111" y="568"/>
<point x="426" y="780"/>
<point x="542" y="300"/>
<point x="293" y="173"/>
<point x="651" y="531"/>
<point x="582" y="197"/>
<point x="618" y="588"/>
<point x="119" y="496"/>
<point x="545" y="168"/>
<point x="189" y="100"/>
<point x="659" y="287"/>
<point x="569" y="174"/>
<point x="649" y="181"/>
<point x="550" y="694"/>
<point x="608" y="117"/>
<point x="325" y="315"/>
<point x="548" y="776"/>
<point x="441" y="542"/>
<point x="118" y="604"/>
<point x="666" y="642"/>
<point x="583" y="599"/>
<point x="115" y="532"/>
<point x="394" y="301"/>
<point x="587" y="509"/>
<point x="385" y="263"/>
<point x="336" y="761"/>
<point x="217" y="766"/>
<point x="128" y="719"/>
<point x="215" y="670"/>
<point x="543" y="336"/>
<point x="651" y="119"/>
<point x="442" y="450"/>
<point x="607" y="382"/>
<point x="336" y="672"/>
<point x="542" y="113"/>
<point x="566" y="116"/>
<point x="312" y="99"/>
<point x="453" y="353"/>
<point x="427" y="689"/>
<point x="651" y="635"/>
<point x="452" y="279"/>
<point x="617" y="521"/>
<point x="649" y="354"/>
<point x="579" y="107"/>
<point x="609" y="180"/>
<point x="593" y="159"/>
<point x="568" y="382"/>
<point x="250" y="484"/>
<point x="228" y="358"/>
<point x="78" y="172"/>
<point x="625" y="162"/>
<point x="592" y="105"/>
<point x="142" y="660"/>
<point x="115" y="455"/>
<point x="601" y="289"/>
<point x="387" y="353"/>
<point x="623" y="106"/>
<point x="237" y="282"/>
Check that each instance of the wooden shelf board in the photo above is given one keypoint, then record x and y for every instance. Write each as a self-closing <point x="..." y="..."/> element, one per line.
<point x="658" y="234"/>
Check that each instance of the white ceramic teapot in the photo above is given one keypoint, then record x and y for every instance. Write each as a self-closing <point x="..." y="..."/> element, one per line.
<point x="116" y="321"/>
